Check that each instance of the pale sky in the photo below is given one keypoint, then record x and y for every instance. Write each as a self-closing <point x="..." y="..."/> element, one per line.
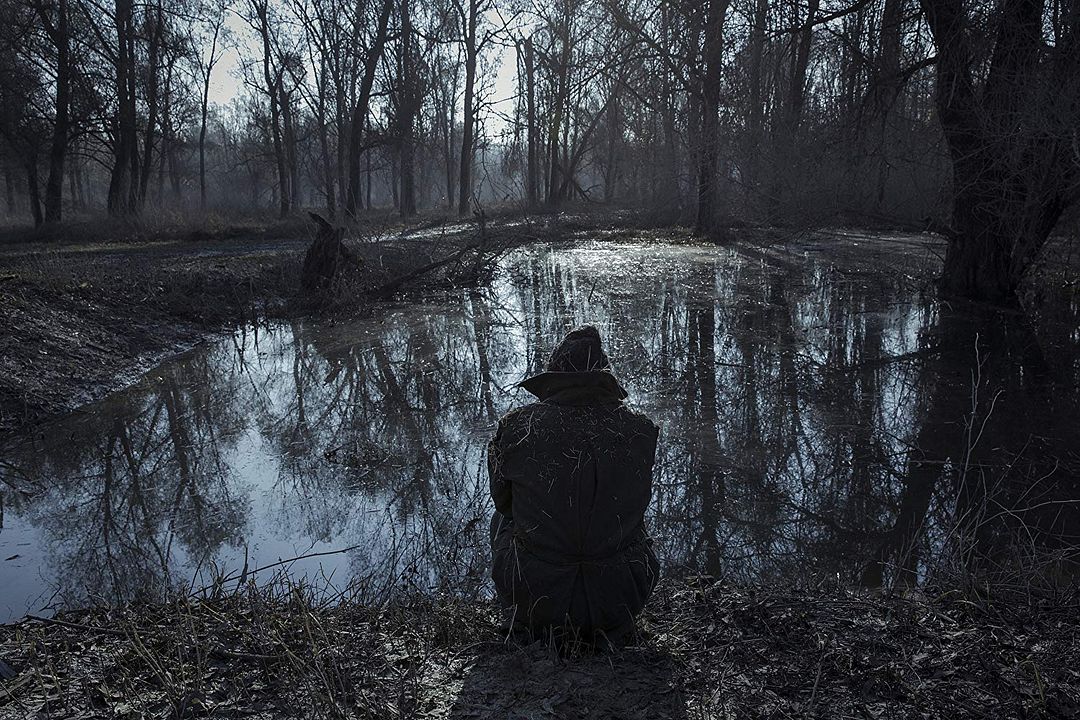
<point x="226" y="82"/>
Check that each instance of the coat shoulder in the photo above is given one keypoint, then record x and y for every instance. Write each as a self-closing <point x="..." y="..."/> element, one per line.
<point x="520" y="415"/>
<point x="521" y="421"/>
<point x="517" y="422"/>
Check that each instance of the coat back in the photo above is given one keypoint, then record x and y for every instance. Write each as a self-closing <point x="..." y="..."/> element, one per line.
<point x="574" y="474"/>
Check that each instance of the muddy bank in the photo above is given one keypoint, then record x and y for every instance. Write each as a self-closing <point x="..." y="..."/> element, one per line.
<point x="83" y="319"/>
<point x="706" y="650"/>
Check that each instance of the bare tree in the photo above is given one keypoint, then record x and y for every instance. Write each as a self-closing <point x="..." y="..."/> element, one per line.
<point x="1011" y="132"/>
<point x="213" y="22"/>
<point x="407" y="109"/>
<point x="123" y="186"/>
<point x="360" y="107"/>
<point x="55" y="22"/>
<point x="470" y="12"/>
<point x="710" y="130"/>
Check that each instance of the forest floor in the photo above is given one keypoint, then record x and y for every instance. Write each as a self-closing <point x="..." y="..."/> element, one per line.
<point x="705" y="651"/>
<point x="89" y="309"/>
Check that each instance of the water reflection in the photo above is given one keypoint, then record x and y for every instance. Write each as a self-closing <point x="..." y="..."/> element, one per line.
<point x="142" y="484"/>
<point x="817" y="421"/>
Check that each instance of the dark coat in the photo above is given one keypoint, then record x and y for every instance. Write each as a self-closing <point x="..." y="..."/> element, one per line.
<point x="572" y="477"/>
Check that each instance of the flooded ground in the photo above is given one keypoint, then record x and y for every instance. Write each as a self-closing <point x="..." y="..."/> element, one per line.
<point x="824" y="419"/>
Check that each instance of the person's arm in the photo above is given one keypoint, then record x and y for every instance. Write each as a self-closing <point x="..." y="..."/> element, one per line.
<point x="499" y="483"/>
<point x="653" y="437"/>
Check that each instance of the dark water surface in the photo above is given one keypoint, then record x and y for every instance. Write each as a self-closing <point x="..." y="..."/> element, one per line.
<point x="823" y="417"/>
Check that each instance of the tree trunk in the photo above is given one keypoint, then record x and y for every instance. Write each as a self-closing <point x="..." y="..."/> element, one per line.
<point x="406" y="112"/>
<point x="710" y="124"/>
<point x="395" y="175"/>
<point x="284" y="197"/>
<point x="1010" y="146"/>
<point x="800" y="63"/>
<point x="340" y="125"/>
<point x="121" y="180"/>
<point x="558" y="103"/>
<point x="611" y="174"/>
<point x="33" y="192"/>
<point x="360" y="110"/>
<point x="168" y="133"/>
<point x="448" y="146"/>
<point x="888" y="80"/>
<point x="133" y="81"/>
<point x="445" y="114"/>
<point x="789" y="113"/>
<point x="73" y="191"/>
<point x="531" y="175"/>
<point x="288" y="127"/>
<point x="465" y="188"/>
<point x="755" y="115"/>
<point x="9" y="189"/>
<point x="327" y="163"/>
<point x="78" y="196"/>
<point x="367" y="178"/>
<point x="204" y="111"/>
<point x="669" y="192"/>
<point x="174" y="172"/>
<point x="61" y="125"/>
<point x="273" y="83"/>
<point x="999" y="227"/>
<point x="152" y="92"/>
<point x="202" y="157"/>
<point x="163" y="158"/>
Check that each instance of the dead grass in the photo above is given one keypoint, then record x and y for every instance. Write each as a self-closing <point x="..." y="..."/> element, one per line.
<point x="707" y="650"/>
<point x="156" y="226"/>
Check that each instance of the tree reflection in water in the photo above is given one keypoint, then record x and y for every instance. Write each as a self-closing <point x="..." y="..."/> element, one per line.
<point x="818" y="421"/>
<point x="139" y="486"/>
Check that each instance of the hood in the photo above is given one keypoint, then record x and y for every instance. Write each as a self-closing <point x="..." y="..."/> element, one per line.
<point x="579" y="351"/>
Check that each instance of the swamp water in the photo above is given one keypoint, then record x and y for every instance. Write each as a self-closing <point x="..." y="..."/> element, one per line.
<point x="823" y="419"/>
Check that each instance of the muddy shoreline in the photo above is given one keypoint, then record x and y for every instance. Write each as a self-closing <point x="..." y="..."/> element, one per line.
<point x="85" y="319"/>
<point x="88" y="312"/>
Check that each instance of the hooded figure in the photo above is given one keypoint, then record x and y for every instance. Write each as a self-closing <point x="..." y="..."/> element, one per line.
<point x="571" y="478"/>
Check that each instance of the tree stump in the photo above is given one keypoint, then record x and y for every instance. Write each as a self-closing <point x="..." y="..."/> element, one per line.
<point x="327" y="258"/>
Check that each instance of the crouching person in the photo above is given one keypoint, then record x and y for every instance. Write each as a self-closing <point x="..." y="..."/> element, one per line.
<point x="571" y="478"/>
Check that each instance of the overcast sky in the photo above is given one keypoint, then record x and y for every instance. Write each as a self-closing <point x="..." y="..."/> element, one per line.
<point x="226" y="82"/>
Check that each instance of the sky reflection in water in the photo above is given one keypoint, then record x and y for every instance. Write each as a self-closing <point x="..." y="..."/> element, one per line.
<point x="817" y="422"/>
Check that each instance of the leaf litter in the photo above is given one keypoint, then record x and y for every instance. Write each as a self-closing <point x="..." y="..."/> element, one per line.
<point x="705" y="650"/>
